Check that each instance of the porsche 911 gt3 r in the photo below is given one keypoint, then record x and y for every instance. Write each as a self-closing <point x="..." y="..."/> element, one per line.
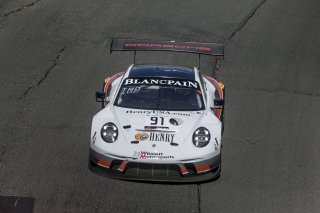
<point x="159" y="122"/>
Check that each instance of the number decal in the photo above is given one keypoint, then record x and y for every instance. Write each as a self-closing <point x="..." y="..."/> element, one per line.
<point x="155" y="120"/>
<point x="162" y="120"/>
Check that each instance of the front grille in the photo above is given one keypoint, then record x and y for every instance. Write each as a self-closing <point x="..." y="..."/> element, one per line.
<point x="152" y="170"/>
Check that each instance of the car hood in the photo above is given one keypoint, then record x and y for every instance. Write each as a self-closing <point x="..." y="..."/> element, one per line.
<point x="141" y="138"/>
<point x="154" y="126"/>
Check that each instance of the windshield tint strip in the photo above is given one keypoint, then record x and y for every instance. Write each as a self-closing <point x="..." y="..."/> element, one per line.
<point x="162" y="82"/>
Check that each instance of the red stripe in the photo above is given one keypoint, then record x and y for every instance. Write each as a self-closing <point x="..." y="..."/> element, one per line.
<point x="204" y="168"/>
<point x="205" y="48"/>
<point x="180" y="47"/>
<point x="122" y="166"/>
<point x="168" y="46"/>
<point x="183" y="169"/>
<point x="103" y="162"/>
<point x="143" y="45"/>
<point x="155" y="45"/>
<point x="130" y="45"/>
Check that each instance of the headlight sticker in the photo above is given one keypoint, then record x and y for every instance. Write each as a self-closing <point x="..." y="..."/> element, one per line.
<point x="94" y="137"/>
<point x="201" y="137"/>
<point x="216" y="144"/>
<point x="109" y="132"/>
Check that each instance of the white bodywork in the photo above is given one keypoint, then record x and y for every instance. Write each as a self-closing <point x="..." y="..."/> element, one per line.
<point x="161" y="152"/>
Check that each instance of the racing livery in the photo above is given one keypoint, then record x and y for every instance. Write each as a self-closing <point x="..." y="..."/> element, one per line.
<point x="159" y="122"/>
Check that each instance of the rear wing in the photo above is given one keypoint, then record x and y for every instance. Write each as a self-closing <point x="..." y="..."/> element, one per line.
<point x="213" y="49"/>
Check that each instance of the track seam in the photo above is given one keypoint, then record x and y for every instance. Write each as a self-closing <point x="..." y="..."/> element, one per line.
<point x="199" y="198"/>
<point x="244" y="22"/>
<point x="216" y="67"/>
<point x="277" y="91"/>
<point x="21" y="8"/>
<point x="2" y="156"/>
<point x="48" y="71"/>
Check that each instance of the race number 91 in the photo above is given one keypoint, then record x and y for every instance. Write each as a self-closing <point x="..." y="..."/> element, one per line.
<point x="156" y="120"/>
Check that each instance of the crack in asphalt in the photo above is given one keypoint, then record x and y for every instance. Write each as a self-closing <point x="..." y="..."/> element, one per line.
<point x="38" y="83"/>
<point x="244" y="22"/>
<point x="216" y="67"/>
<point x="276" y="91"/>
<point x="199" y="198"/>
<point x="2" y="155"/>
<point x="22" y="8"/>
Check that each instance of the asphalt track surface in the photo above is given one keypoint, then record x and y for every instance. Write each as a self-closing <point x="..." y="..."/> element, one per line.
<point x="54" y="54"/>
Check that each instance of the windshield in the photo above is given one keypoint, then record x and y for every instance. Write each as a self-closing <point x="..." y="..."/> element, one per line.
<point x="148" y="94"/>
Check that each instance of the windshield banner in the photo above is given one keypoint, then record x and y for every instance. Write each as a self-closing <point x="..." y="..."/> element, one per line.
<point x="162" y="82"/>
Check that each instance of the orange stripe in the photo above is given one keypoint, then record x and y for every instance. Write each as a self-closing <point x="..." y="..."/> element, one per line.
<point x="217" y="86"/>
<point x="104" y="163"/>
<point x="122" y="166"/>
<point x="112" y="79"/>
<point x="202" y="168"/>
<point x="207" y="167"/>
<point x="183" y="169"/>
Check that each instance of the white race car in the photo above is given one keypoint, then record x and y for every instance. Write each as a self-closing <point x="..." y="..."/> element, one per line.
<point x="159" y="122"/>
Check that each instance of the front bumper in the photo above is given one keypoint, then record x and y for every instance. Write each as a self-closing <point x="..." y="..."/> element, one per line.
<point x="131" y="170"/>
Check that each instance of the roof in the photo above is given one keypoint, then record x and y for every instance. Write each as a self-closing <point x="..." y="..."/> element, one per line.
<point x="167" y="71"/>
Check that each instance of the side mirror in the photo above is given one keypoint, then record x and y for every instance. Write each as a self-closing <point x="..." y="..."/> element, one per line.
<point x="100" y="96"/>
<point x="218" y="102"/>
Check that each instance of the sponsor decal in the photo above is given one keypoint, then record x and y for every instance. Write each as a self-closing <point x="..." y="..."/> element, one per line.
<point x="94" y="137"/>
<point x="216" y="144"/>
<point x="130" y="90"/>
<point x="154" y="137"/>
<point x="169" y="46"/>
<point x="148" y="112"/>
<point x="151" y="155"/>
<point x="141" y="136"/>
<point x="164" y="137"/>
<point x="162" y="82"/>
<point x="173" y="122"/>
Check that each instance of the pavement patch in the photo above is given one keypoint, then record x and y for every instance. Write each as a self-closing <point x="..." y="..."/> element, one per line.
<point x="13" y="204"/>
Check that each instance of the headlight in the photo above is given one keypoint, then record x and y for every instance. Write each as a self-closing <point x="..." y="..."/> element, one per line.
<point x="109" y="132"/>
<point x="201" y="137"/>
